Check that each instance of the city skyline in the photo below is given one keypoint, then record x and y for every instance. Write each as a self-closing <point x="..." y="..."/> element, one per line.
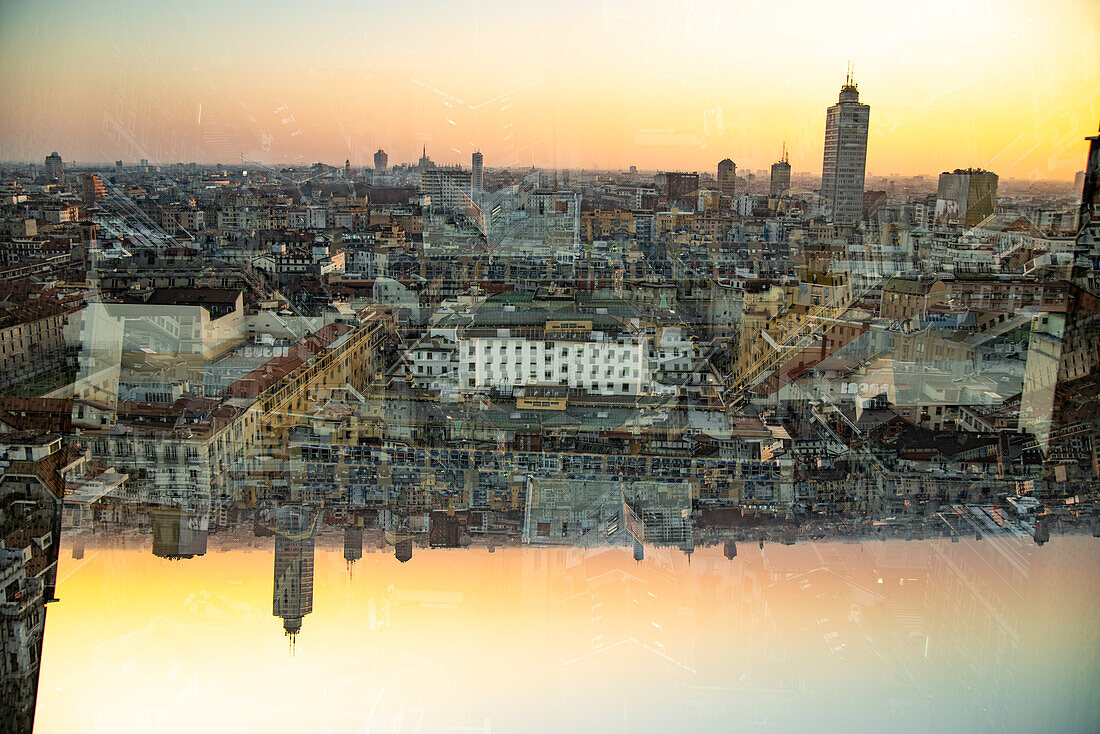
<point x="677" y="87"/>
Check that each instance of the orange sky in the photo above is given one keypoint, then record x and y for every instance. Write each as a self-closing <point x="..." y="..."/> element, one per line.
<point x="671" y="84"/>
<point x="569" y="640"/>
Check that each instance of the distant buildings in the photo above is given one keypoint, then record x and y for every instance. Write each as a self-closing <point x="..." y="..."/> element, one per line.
<point x="381" y="161"/>
<point x="425" y="162"/>
<point x="966" y="196"/>
<point x="842" y="175"/>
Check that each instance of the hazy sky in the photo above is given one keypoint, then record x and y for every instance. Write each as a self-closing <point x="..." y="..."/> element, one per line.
<point x="1006" y="84"/>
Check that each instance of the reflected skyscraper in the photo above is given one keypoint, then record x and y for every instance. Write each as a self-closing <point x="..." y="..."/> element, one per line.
<point x="295" y="535"/>
<point x="353" y="544"/>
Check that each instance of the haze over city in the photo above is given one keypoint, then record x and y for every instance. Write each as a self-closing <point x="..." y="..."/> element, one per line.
<point x="1010" y="86"/>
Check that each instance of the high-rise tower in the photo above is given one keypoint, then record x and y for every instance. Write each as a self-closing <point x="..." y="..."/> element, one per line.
<point x="295" y="534"/>
<point x="845" y="163"/>
<point x="381" y="160"/>
<point x="727" y="177"/>
<point x="781" y="174"/>
<point x="477" y="181"/>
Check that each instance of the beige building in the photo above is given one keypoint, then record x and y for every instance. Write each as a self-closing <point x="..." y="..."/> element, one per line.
<point x="31" y="339"/>
<point x="902" y="298"/>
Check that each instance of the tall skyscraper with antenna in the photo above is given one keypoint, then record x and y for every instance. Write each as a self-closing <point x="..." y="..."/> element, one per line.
<point x="781" y="174"/>
<point x="845" y="165"/>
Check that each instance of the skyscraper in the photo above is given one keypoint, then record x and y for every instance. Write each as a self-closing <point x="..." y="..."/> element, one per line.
<point x="478" y="180"/>
<point x="295" y="533"/>
<point x="727" y="178"/>
<point x="845" y="163"/>
<point x="781" y="174"/>
<point x="381" y="160"/>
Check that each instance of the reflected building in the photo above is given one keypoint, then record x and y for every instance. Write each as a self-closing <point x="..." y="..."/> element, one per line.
<point x="403" y="550"/>
<point x="295" y="534"/>
<point x="353" y="544"/>
<point x="22" y="621"/>
<point x="179" y="534"/>
<point x="33" y="465"/>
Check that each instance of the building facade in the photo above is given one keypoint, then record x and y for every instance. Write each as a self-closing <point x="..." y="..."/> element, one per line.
<point x="844" y="169"/>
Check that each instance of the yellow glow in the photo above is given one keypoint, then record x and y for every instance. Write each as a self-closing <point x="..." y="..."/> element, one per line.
<point x="1010" y="85"/>
<point x="553" y="640"/>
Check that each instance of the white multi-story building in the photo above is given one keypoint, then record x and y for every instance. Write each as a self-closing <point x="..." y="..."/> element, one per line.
<point x="632" y="363"/>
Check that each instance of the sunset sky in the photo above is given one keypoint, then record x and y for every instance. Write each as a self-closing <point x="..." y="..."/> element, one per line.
<point x="1008" y="85"/>
<point x="812" y="637"/>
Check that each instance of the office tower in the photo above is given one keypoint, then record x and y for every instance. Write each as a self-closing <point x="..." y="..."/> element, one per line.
<point x="477" y="182"/>
<point x="295" y="534"/>
<point x="381" y="161"/>
<point x="118" y="168"/>
<point x="55" y="167"/>
<point x="845" y="155"/>
<point x="144" y="164"/>
<point x="727" y="178"/>
<point x="781" y="174"/>
<point x="966" y="196"/>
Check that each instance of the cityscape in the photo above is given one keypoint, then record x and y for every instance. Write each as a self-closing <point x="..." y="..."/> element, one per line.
<point x="448" y="434"/>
